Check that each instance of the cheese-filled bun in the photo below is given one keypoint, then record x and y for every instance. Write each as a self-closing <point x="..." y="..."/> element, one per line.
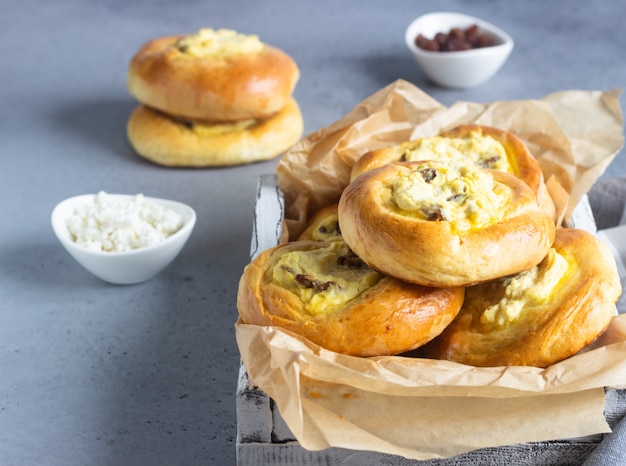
<point x="540" y="316"/>
<point x="485" y="146"/>
<point x="217" y="75"/>
<point x="439" y="223"/>
<point x="324" y="293"/>
<point x="323" y="225"/>
<point x="174" y="142"/>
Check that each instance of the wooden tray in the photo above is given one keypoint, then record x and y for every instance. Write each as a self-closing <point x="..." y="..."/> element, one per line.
<point x="263" y="438"/>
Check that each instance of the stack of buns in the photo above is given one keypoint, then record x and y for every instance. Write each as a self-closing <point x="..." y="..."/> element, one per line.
<point x="213" y="98"/>
<point x="445" y="245"/>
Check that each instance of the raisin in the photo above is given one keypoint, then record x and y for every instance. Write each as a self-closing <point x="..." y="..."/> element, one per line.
<point x="456" y="197"/>
<point x="490" y="162"/>
<point x="455" y="40"/>
<point x="456" y="43"/>
<point x="351" y="261"/>
<point x="441" y="39"/>
<point x="324" y="286"/>
<point x="181" y="46"/>
<point x="435" y="214"/>
<point x="428" y="174"/>
<point x="426" y="44"/>
<point x="304" y="280"/>
<point x="312" y="283"/>
<point x="334" y="228"/>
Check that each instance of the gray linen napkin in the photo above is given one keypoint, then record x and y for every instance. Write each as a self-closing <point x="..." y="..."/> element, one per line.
<point x="612" y="450"/>
<point x="607" y="199"/>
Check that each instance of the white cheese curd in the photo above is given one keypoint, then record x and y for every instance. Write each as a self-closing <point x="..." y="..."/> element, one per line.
<point x="115" y="225"/>
<point x="531" y="287"/>
<point x="451" y="191"/>
<point x="484" y="151"/>
<point x="212" y="43"/>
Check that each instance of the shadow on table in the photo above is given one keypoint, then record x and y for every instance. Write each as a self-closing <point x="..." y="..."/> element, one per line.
<point x="157" y="362"/>
<point x="101" y="121"/>
<point x="388" y="68"/>
<point x="172" y="398"/>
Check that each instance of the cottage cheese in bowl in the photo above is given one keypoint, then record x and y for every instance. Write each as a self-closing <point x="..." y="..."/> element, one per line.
<point x="122" y="239"/>
<point x="113" y="224"/>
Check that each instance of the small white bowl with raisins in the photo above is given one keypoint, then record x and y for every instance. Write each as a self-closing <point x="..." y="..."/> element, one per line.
<point x="456" y="50"/>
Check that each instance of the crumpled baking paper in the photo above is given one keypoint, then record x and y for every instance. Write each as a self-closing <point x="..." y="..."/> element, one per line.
<point x="421" y="408"/>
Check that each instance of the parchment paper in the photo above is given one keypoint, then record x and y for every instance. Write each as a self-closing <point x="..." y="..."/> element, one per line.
<point x="573" y="134"/>
<point x="421" y="408"/>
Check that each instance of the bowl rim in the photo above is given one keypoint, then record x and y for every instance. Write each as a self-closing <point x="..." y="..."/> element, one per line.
<point x="66" y="206"/>
<point x="410" y="35"/>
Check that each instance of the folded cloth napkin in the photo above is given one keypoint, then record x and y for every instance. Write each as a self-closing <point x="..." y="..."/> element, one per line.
<point x="612" y="449"/>
<point x="607" y="199"/>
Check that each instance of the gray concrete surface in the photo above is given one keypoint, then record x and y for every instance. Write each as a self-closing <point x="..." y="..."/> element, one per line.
<point x="95" y="374"/>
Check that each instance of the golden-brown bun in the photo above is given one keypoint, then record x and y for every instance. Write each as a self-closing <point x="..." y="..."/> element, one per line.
<point x="521" y="162"/>
<point x="173" y="142"/>
<point x="389" y="317"/>
<point x="577" y="311"/>
<point x="435" y="252"/>
<point x="237" y="87"/>
<point x="323" y="226"/>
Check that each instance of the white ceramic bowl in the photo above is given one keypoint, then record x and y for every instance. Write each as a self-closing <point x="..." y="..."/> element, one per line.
<point x="463" y="69"/>
<point x="124" y="268"/>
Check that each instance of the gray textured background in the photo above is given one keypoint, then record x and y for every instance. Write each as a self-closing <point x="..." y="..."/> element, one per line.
<point x="94" y="374"/>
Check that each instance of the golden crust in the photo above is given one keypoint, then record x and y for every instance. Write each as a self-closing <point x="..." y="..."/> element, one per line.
<point x="430" y="252"/>
<point x="391" y="317"/>
<point x="578" y="313"/>
<point x="172" y="142"/>
<point x="238" y="87"/>
<point x="523" y="164"/>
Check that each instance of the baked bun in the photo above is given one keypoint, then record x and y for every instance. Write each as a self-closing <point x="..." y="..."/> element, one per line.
<point x="438" y="223"/>
<point x="540" y="316"/>
<point x="173" y="142"/>
<point x="323" y="226"/>
<point x="212" y="75"/>
<point x="324" y="293"/>
<point x="486" y="146"/>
